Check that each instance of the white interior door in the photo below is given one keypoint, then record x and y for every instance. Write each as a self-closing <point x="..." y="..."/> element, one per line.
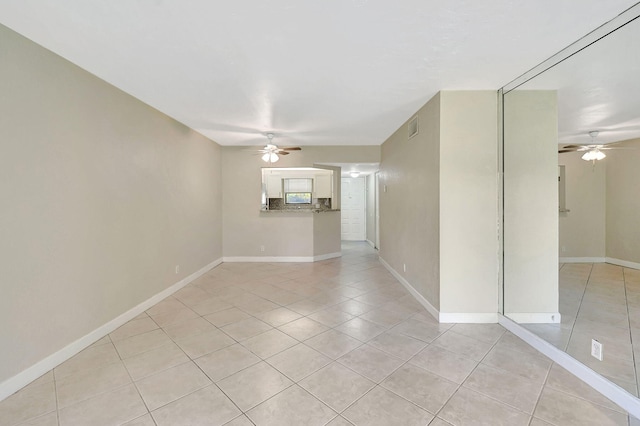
<point x="353" y="209"/>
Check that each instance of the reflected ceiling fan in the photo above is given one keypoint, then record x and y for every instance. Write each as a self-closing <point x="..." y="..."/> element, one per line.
<point x="270" y="153"/>
<point x="592" y="152"/>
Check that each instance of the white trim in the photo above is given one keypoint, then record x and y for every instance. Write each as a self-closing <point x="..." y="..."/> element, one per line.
<point x="623" y="18"/>
<point x="371" y="243"/>
<point x="535" y="317"/>
<point x="582" y="260"/>
<point x="443" y="317"/>
<point x="624" y="263"/>
<point x="327" y="256"/>
<point x="607" y="388"/>
<point x="267" y="259"/>
<point x="420" y="298"/>
<point x="469" y="317"/>
<point x="611" y="260"/>
<point x="20" y="380"/>
<point x="281" y="259"/>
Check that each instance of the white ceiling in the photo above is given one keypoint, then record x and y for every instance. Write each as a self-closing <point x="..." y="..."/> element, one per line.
<point x="598" y="88"/>
<point x="327" y="72"/>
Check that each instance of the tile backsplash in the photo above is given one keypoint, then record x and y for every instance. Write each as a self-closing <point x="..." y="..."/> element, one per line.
<point x="321" y="203"/>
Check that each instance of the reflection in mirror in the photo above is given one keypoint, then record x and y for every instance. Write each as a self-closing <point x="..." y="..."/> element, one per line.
<point x="583" y="262"/>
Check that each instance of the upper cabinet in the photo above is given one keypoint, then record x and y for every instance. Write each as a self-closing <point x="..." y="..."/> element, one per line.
<point x="322" y="186"/>
<point x="274" y="186"/>
<point x="279" y="181"/>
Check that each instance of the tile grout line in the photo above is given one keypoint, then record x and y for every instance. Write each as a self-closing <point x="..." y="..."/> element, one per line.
<point x="544" y="385"/>
<point x="362" y="343"/>
<point x="469" y="375"/>
<point x="55" y="390"/>
<point x="633" y="352"/>
<point x="331" y="360"/>
<point x="262" y="359"/>
<point x="579" y="308"/>
<point x="131" y="378"/>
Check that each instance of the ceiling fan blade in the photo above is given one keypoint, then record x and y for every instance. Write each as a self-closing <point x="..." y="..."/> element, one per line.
<point x="615" y="143"/>
<point x="562" y="151"/>
<point x="283" y="153"/>
<point x="617" y="147"/>
<point x="571" y="146"/>
<point x="292" y="148"/>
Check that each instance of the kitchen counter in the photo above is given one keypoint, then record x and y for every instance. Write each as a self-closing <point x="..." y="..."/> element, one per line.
<point x="300" y="235"/>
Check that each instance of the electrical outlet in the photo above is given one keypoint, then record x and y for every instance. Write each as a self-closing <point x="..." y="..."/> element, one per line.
<point x="177" y="269"/>
<point x="596" y="349"/>
<point x="404" y="267"/>
<point x="261" y="248"/>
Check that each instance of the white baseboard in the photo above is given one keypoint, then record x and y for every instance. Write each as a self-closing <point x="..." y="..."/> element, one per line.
<point x="624" y="263"/>
<point x="443" y="317"/>
<point x="327" y="256"/>
<point x="280" y="259"/>
<point x="20" y="380"/>
<point x="420" y="298"/>
<point x="582" y="260"/>
<point x="611" y="260"/>
<point x="469" y="317"/>
<point x="535" y="317"/>
<point x="607" y="388"/>
<point x="267" y="259"/>
<point x="371" y="243"/>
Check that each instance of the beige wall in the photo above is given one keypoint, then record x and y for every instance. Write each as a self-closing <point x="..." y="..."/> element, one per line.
<point x="604" y="206"/>
<point x="326" y="233"/>
<point x="439" y="214"/>
<point x="102" y="197"/>
<point x="410" y="206"/>
<point x="281" y="234"/>
<point x="531" y="205"/>
<point x="623" y="203"/>
<point x="468" y="202"/>
<point x="582" y="229"/>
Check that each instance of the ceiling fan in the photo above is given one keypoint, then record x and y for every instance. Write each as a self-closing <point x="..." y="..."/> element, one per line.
<point x="593" y="151"/>
<point x="271" y="152"/>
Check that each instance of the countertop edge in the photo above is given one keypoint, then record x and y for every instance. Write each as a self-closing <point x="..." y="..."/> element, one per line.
<point x="300" y="211"/>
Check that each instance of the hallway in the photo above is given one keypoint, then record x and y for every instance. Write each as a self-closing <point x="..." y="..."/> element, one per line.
<point x="338" y="343"/>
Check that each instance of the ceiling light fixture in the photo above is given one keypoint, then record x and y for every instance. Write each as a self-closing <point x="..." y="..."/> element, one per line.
<point x="354" y="174"/>
<point x="270" y="157"/>
<point x="593" y="155"/>
<point x="271" y="153"/>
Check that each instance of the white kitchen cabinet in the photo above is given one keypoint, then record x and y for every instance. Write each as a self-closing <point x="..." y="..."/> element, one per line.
<point x="274" y="186"/>
<point x="323" y="186"/>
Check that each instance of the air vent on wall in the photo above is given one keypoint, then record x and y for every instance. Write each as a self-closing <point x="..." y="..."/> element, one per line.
<point x="412" y="127"/>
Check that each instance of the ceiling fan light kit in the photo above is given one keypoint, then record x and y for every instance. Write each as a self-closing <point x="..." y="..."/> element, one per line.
<point x="270" y="157"/>
<point x="592" y="152"/>
<point x="271" y="153"/>
<point x="593" y="155"/>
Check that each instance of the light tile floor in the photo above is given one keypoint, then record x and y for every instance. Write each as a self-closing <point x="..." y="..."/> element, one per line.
<point x="599" y="301"/>
<point x="337" y="343"/>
